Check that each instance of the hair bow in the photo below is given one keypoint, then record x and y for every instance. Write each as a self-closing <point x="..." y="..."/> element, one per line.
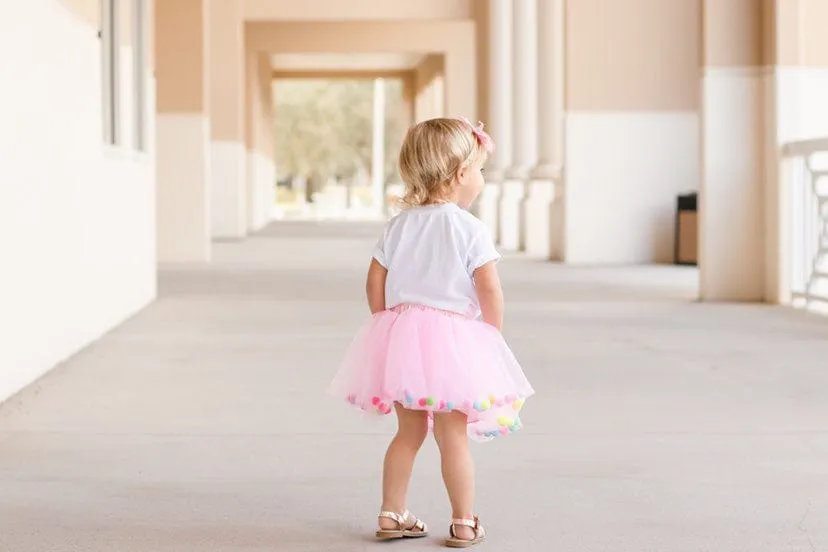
<point x="482" y="138"/>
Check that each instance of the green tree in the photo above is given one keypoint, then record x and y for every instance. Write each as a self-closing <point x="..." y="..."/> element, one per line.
<point x="324" y="127"/>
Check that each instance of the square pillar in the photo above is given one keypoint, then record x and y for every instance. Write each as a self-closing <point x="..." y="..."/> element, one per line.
<point x="428" y="87"/>
<point x="409" y="100"/>
<point x="544" y="206"/>
<point x="227" y="150"/>
<point x="499" y="125"/>
<point x="731" y="237"/>
<point x="184" y="225"/>
<point x="524" y="123"/>
<point x="261" y="167"/>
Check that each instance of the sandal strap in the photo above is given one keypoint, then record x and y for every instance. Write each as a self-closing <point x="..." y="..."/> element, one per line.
<point x="473" y="523"/>
<point x="419" y="524"/>
<point x="398" y="518"/>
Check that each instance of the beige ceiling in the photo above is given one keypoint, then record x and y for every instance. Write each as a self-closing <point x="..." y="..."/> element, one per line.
<point x="345" y="62"/>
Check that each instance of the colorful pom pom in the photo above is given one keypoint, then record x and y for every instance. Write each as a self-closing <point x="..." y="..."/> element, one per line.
<point x="422" y="402"/>
<point x="518" y="404"/>
<point x="450" y="405"/>
<point x="430" y="401"/>
<point x="375" y="401"/>
<point x="505" y="421"/>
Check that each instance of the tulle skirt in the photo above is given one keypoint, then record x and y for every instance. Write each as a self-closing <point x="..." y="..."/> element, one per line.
<point x="427" y="359"/>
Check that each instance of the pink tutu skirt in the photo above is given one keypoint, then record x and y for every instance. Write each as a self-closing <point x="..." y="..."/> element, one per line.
<point x="427" y="359"/>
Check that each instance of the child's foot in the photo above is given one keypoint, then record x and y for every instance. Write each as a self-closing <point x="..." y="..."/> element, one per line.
<point x="465" y="532"/>
<point x="399" y="526"/>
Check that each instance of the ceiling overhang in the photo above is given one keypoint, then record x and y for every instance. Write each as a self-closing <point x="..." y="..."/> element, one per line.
<point x="344" y="63"/>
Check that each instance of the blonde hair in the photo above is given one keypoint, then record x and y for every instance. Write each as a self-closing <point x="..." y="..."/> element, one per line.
<point x="432" y="154"/>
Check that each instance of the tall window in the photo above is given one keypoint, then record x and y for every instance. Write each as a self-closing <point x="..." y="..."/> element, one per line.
<point x="110" y="52"/>
<point x="124" y="24"/>
<point x="139" y="66"/>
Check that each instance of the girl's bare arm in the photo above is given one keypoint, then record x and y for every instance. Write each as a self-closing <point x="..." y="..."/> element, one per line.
<point x="375" y="287"/>
<point x="490" y="294"/>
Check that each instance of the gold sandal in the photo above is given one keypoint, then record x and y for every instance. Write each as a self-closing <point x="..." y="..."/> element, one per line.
<point x="416" y="531"/>
<point x="479" y="533"/>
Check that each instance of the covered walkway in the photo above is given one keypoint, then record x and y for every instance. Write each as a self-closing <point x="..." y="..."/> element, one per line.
<point x="201" y="424"/>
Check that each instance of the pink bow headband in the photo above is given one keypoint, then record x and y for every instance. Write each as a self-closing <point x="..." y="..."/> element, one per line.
<point x="482" y="138"/>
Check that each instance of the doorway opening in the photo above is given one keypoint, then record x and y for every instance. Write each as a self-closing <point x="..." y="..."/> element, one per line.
<point x="336" y="147"/>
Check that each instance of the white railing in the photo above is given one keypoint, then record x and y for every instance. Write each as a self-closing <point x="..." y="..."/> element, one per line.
<point x="806" y="172"/>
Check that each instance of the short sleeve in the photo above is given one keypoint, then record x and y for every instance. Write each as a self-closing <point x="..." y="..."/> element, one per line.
<point x="482" y="250"/>
<point x="379" y="251"/>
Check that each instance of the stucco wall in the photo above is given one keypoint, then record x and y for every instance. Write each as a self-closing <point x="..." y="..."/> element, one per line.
<point x="632" y="126"/>
<point x="77" y="219"/>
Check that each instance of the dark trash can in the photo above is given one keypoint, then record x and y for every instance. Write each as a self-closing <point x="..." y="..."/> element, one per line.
<point x="687" y="230"/>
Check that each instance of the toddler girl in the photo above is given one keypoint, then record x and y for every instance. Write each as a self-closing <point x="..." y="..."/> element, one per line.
<point x="425" y="355"/>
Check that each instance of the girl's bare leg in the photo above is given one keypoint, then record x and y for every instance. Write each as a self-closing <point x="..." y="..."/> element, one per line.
<point x="399" y="462"/>
<point x="457" y="466"/>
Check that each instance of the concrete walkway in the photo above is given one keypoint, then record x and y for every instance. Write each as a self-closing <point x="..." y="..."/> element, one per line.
<point x="659" y="425"/>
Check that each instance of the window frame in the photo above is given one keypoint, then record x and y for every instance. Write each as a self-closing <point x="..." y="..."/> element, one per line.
<point x="140" y="27"/>
<point x="110" y="67"/>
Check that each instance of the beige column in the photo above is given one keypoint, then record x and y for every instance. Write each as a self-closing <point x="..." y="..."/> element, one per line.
<point x="438" y="96"/>
<point x="228" y="157"/>
<point x="781" y="47"/>
<point x="422" y="111"/>
<point x="731" y="210"/>
<point x="409" y="103"/>
<point x="458" y="84"/>
<point x="430" y="98"/>
<point x="408" y="114"/>
<point x="378" y="147"/>
<point x="499" y="124"/>
<point x="524" y="122"/>
<point x="261" y="167"/>
<point x="183" y="131"/>
<point x="422" y="104"/>
<point x="544" y="220"/>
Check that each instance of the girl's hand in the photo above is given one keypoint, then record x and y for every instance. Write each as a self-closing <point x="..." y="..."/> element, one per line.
<point x="375" y="286"/>
<point x="489" y="294"/>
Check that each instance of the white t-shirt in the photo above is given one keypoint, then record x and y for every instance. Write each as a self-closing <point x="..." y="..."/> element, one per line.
<point x="431" y="253"/>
